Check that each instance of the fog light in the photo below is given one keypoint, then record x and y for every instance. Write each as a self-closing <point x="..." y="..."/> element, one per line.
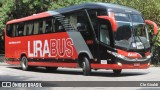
<point x="119" y="64"/>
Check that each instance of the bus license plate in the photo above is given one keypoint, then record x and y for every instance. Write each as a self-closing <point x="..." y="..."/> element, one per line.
<point x="136" y="64"/>
<point x="103" y="61"/>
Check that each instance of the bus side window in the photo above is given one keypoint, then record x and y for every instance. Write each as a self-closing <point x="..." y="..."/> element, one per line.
<point x="81" y="20"/>
<point x="59" y="26"/>
<point x="29" y="28"/>
<point x="36" y="26"/>
<point x="104" y="34"/>
<point x="40" y="27"/>
<point x="93" y="16"/>
<point x="20" y="29"/>
<point x="81" y="27"/>
<point x="10" y="30"/>
<point x="25" y="30"/>
<point x="86" y="29"/>
<point x="14" y="31"/>
<point x="71" y="19"/>
<point x="43" y="28"/>
<point x="48" y="26"/>
<point x="53" y="25"/>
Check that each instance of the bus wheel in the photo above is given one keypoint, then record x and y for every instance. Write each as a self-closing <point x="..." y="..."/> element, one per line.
<point x="24" y="63"/>
<point x="51" y="68"/>
<point x="117" y="71"/>
<point x="86" y="66"/>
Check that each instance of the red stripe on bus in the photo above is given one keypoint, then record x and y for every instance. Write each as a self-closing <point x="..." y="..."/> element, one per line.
<point x="35" y="16"/>
<point x="112" y="21"/>
<point x="147" y="53"/>
<point x="13" y="62"/>
<point x="129" y="54"/>
<point x="115" y="66"/>
<point x="49" y="64"/>
<point x="74" y="65"/>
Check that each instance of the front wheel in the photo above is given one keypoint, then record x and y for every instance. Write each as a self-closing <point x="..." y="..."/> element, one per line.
<point x="117" y="71"/>
<point x="86" y="66"/>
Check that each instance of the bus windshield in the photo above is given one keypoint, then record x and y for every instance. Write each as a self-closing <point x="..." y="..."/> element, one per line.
<point x="131" y="32"/>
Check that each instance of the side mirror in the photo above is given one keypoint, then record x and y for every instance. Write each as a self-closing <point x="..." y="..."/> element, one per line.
<point x="81" y="27"/>
<point x="155" y="26"/>
<point x="111" y="20"/>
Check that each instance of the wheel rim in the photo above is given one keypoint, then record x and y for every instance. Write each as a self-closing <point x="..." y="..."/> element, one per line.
<point x="24" y="63"/>
<point x="83" y="65"/>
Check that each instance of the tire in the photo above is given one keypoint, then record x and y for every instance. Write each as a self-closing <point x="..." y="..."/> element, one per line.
<point x="86" y="66"/>
<point x="117" y="71"/>
<point x="51" y="68"/>
<point x="24" y="63"/>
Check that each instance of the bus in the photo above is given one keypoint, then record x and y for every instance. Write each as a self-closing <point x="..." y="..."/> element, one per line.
<point x="88" y="36"/>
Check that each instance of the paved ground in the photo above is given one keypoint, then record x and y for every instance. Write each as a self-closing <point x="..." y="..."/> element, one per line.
<point x="14" y="73"/>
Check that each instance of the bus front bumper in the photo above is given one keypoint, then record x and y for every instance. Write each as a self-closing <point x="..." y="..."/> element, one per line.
<point x="120" y="66"/>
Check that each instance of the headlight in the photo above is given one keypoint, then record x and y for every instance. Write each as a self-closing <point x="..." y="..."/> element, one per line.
<point x="116" y="54"/>
<point x="126" y="58"/>
<point x="149" y="56"/>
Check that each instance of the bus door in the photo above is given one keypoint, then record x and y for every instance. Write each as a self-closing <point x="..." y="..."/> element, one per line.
<point x="105" y="42"/>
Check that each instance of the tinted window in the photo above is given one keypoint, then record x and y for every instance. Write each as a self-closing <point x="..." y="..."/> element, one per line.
<point x="29" y="28"/>
<point x="46" y="25"/>
<point x="137" y="18"/>
<point x="59" y="27"/>
<point x="104" y="34"/>
<point x="41" y="26"/>
<point x="20" y="29"/>
<point x="122" y="17"/>
<point x="36" y="27"/>
<point x="10" y="30"/>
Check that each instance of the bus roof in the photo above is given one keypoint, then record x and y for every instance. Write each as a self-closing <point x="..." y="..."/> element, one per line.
<point x="35" y="16"/>
<point x="98" y="5"/>
<point x="114" y="7"/>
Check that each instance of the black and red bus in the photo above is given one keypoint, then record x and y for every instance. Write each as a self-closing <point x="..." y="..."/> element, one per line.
<point x="89" y="36"/>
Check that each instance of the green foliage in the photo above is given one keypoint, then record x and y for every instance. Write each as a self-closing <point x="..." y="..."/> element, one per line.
<point x="5" y="9"/>
<point x="12" y="9"/>
<point x="149" y="8"/>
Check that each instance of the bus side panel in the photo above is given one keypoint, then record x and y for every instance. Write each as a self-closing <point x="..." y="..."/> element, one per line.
<point x="11" y="47"/>
<point x="80" y="44"/>
<point x="44" y="46"/>
<point x="56" y="45"/>
<point x="14" y="48"/>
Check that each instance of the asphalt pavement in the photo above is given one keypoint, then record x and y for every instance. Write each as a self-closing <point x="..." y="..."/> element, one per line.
<point x="14" y="73"/>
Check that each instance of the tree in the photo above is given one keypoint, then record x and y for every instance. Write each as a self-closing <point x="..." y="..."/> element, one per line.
<point x="13" y="9"/>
